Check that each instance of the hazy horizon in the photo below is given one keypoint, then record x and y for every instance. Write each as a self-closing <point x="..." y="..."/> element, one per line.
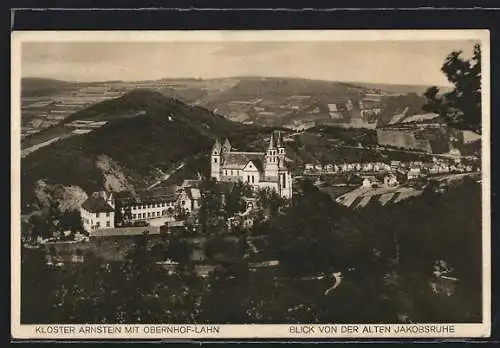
<point x="415" y="63"/>
<point x="228" y="78"/>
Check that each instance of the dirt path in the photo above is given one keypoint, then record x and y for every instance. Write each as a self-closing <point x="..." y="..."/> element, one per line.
<point x="166" y="176"/>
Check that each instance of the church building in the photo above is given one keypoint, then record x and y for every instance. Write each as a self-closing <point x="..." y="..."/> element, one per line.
<point x="258" y="169"/>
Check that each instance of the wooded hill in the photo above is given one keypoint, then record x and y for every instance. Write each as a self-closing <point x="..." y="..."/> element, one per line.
<point x="167" y="133"/>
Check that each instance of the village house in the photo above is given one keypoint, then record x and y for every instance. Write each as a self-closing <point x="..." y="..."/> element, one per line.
<point x="414" y="173"/>
<point x="98" y="211"/>
<point x="369" y="182"/>
<point x="369" y="108"/>
<point x="147" y="205"/>
<point x="309" y="166"/>
<point x="330" y="168"/>
<point x="390" y="180"/>
<point x="190" y="199"/>
<point x="258" y="169"/>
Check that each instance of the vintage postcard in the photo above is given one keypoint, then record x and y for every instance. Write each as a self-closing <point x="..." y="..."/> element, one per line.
<point x="250" y="184"/>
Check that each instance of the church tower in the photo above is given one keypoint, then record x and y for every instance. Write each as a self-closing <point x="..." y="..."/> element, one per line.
<point x="281" y="151"/>
<point x="271" y="166"/>
<point x="226" y="147"/>
<point x="285" y="179"/>
<point x="216" y="158"/>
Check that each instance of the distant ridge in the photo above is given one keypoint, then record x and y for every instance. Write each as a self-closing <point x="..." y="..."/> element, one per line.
<point x="389" y="87"/>
<point x="399" y="88"/>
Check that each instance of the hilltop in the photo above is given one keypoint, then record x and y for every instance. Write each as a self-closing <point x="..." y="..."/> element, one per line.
<point x="258" y="87"/>
<point x="276" y="101"/>
<point x="148" y="134"/>
<point x="39" y="87"/>
<point x="127" y="150"/>
<point x="264" y="101"/>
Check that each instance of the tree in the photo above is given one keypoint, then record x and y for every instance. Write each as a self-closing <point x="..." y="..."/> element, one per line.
<point x="37" y="290"/>
<point x="180" y="214"/>
<point x="71" y="220"/>
<point x="178" y="250"/>
<point x="210" y="217"/>
<point x="461" y="108"/>
<point x="234" y="200"/>
<point x="40" y="226"/>
<point x="270" y="200"/>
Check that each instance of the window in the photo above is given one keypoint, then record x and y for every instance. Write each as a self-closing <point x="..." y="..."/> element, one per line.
<point x="143" y="215"/>
<point x="107" y="214"/>
<point x="97" y="215"/>
<point x="149" y="214"/>
<point x="248" y="178"/>
<point x="284" y="180"/>
<point x="97" y="224"/>
<point x="134" y="216"/>
<point x="157" y="213"/>
<point x="107" y="224"/>
<point x="215" y="160"/>
<point x="252" y="179"/>
<point x="183" y="202"/>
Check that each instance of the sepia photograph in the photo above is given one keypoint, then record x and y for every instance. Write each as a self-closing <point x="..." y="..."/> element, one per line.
<point x="310" y="183"/>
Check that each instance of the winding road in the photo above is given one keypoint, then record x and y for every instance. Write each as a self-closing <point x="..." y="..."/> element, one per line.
<point x="166" y="176"/>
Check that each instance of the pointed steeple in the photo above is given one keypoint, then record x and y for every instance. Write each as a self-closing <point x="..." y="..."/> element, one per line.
<point x="278" y="142"/>
<point x="217" y="147"/>
<point x="271" y="142"/>
<point x="227" y="145"/>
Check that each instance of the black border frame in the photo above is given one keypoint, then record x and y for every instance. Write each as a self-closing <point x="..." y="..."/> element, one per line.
<point x="385" y="17"/>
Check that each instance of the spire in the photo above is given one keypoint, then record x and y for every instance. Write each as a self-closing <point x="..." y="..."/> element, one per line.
<point x="217" y="146"/>
<point x="278" y="143"/>
<point x="227" y="145"/>
<point x="271" y="142"/>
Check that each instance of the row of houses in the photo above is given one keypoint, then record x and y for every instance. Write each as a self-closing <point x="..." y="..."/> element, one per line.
<point x="102" y="209"/>
<point x="412" y="169"/>
<point x="107" y="210"/>
<point x="347" y="167"/>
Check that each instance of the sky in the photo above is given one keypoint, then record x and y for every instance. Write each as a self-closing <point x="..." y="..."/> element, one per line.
<point x="394" y="62"/>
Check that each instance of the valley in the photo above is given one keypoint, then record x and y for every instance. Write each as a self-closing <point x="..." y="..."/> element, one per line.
<point x="51" y="109"/>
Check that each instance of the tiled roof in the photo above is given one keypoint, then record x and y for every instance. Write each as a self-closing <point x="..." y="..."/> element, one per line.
<point x="193" y="193"/>
<point x="191" y="183"/>
<point x="225" y="187"/>
<point x="421" y="118"/>
<point x="96" y="203"/>
<point x="149" y="196"/>
<point x="238" y="160"/>
<point x="258" y="164"/>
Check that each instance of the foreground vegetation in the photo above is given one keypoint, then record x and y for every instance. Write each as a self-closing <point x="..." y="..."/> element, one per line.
<point x="386" y="255"/>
